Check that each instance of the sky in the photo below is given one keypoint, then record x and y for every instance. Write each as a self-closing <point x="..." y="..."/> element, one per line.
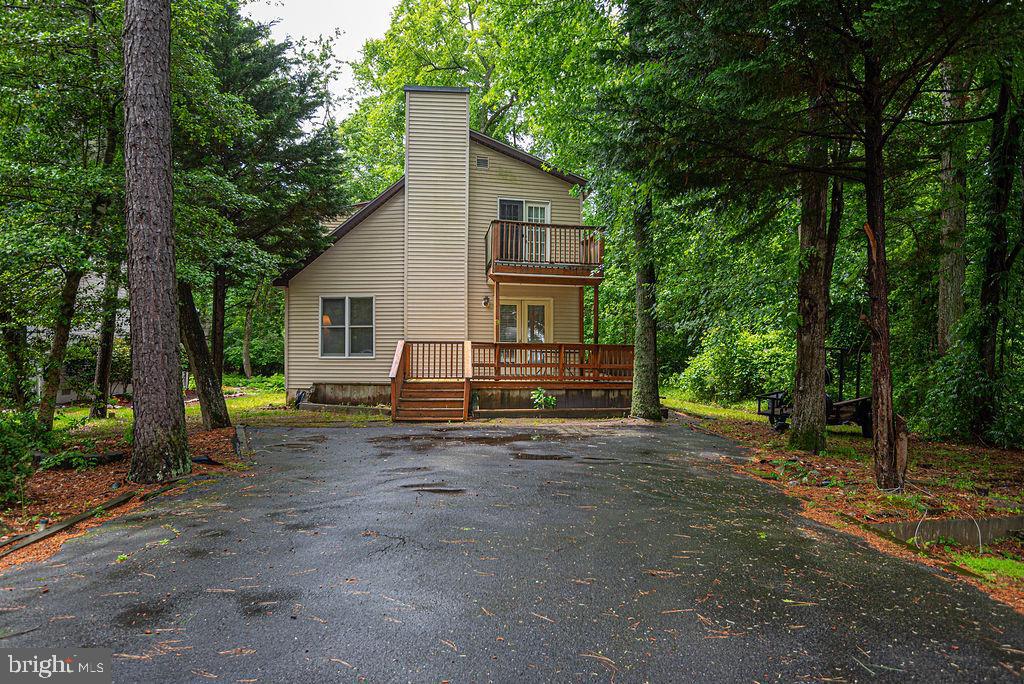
<point x="357" y="19"/>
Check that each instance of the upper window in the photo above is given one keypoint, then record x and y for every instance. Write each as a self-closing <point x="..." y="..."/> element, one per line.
<point x="510" y="210"/>
<point x="522" y="210"/>
<point x="346" y="326"/>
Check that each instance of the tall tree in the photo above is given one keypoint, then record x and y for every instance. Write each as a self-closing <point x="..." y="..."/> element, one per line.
<point x="160" y="445"/>
<point x="646" y="400"/>
<point x="953" y="173"/>
<point x="212" y="406"/>
<point x="1001" y="249"/>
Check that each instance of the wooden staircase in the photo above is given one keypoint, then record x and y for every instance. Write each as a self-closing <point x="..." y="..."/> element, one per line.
<point x="431" y="401"/>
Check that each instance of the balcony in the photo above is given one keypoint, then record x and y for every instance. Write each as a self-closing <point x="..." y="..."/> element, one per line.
<point x="544" y="253"/>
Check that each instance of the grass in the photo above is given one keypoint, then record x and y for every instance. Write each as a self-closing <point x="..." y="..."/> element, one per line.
<point x="991" y="567"/>
<point x="257" y="407"/>
<point x="680" y="401"/>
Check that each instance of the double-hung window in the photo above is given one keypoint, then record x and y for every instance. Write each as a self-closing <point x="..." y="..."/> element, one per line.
<point x="346" y="327"/>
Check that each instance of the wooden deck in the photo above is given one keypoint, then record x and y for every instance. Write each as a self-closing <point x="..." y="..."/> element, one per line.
<point x="434" y="380"/>
<point x="518" y="251"/>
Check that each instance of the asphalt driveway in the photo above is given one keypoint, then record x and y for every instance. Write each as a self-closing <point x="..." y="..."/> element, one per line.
<point x="576" y="552"/>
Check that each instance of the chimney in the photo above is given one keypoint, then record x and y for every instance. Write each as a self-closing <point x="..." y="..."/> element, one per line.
<point x="436" y="212"/>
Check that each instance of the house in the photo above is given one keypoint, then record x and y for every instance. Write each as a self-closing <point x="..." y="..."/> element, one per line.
<point x="459" y="289"/>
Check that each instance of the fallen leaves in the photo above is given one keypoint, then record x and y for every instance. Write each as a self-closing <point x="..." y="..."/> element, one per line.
<point x="663" y="574"/>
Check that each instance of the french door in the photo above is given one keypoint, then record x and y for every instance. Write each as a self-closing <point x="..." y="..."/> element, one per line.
<point x="525" y="320"/>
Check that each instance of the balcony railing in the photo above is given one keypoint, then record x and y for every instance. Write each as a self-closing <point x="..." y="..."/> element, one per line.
<point x="544" y="246"/>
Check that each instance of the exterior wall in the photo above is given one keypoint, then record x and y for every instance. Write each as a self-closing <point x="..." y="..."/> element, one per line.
<point x="436" y="197"/>
<point x="367" y="261"/>
<point x="507" y="177"/>
<point x="565" y="314"/>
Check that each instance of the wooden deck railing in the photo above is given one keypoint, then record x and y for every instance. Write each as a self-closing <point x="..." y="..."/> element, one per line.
<point x="551" y="244"/>
<point x="553" y="362"/>
<point x="435" y="360"/>
<point x="521" y="362"/>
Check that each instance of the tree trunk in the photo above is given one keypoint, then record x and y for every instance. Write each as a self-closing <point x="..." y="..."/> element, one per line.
<point x="1003" y="150"/>
<point x="220" y="295"/>
<point x="953" y="261"/>
<point x="108" y="327"/>
<point x="15" y="344"/>
<point x="646" y="402"/>
<point x="211" y="398"/>
<point x="888" y="472"/>
<point x="58" y="348"/>
<point x="247" y="335"/>
<point x="160" y="443"/>
<point x="808" y="429"/>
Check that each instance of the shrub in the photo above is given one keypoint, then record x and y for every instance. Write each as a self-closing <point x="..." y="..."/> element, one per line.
<point x="267" y="383"/>
<point x="543" y="400"/>
<point x="736" y="365"/>
<point x="21" y="436"/>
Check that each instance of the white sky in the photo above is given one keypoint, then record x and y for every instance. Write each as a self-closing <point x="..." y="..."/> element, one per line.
<point x="357" y="19"/>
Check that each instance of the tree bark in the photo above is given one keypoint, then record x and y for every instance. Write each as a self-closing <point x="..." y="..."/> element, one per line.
<point x="211" y="398"/>
<point x="58" y="348"/>
<point x="953" y="260"/>
<point x="15" y="344"/>
<point x="108" y="327"/>
<point x="646" y="402"/>
<point x="889" y="473"/>
<point x="808" y="429"/>
<point x="160" y="443"/>
<point x="247" y="335"/>
<point x="1002" y="155"/>
<point x="220" y="294"/>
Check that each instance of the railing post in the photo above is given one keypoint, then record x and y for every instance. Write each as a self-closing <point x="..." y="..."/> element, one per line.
<point x="497" y="360"/>
<point x="561" y="363"/>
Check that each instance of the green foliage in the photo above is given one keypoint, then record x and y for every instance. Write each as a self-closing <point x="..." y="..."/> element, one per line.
<point x="993" y="567"/>
<point x="272" y="383"/>
<point x="543" y="400"/>
<point x="70" y="458"/>
<point x="21" y="437"/>
<point x="734" y="365"/>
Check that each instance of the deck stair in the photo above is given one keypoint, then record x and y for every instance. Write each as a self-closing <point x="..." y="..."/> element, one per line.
<point x="431" y="401"/>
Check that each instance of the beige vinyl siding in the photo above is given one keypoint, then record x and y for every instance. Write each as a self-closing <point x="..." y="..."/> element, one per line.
<point x="365" y="262"/>
<point x="437" y="142"/>
<point x="507" y="177"/>
<point x="565" y="321"/>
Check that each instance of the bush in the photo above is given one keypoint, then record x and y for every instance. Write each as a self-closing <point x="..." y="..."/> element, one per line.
<point x="20" y="438"/>
<point x="266" y="383"/>
<point x="954" y="387"/>
<point x="736" y="365"/>
<point x="80" y="365"/>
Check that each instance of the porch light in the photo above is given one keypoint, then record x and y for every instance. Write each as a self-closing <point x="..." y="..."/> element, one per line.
<point x="487" y="301"/>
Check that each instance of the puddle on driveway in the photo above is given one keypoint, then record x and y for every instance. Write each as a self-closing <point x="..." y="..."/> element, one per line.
<point x="429" y="440"/>
<point x="523" y="456"/>
<point x="441" y="487"/>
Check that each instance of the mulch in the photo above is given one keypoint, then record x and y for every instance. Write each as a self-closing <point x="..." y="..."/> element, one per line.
<point x="57" y="494"/>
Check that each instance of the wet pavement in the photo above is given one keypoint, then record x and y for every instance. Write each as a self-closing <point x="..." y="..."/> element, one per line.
<point x="569" y="552"/>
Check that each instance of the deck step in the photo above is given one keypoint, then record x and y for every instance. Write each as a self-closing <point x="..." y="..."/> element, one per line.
<point x="439" y="414"/>
<point x="416" y="393"/>
<point x="431" y="402"/>
<point x="427" y="419"/>
<point x="433" y="384"/>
